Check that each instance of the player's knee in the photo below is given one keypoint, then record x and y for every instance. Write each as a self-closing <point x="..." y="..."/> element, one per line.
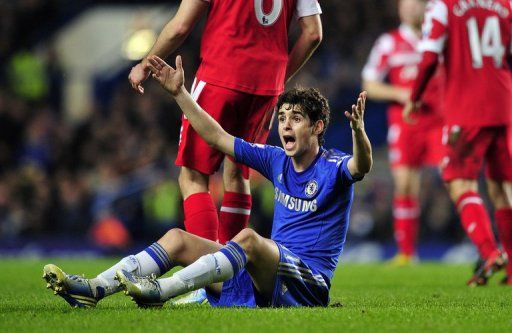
<point x="498" y="195"/>
<point x="173" y="241"/>
<point x="247" y="239"/>
<point x="192" y="181"/>
<point x="238" y="185"/>
<point x="234" y="175"/>
<point x="458" y="187"/>
<point x="187" y="177"/>
<point x="233" y="178"/>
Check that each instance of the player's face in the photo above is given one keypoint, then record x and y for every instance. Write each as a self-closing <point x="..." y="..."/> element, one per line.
<point x="411" y="12"/>
<point x="296" y="131"/>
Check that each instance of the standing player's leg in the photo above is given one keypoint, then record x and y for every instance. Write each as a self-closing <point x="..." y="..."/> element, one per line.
<point x="477" y="224"/>
<point x="466" y="149"/>
<point x="200" y="213"/>
<point x="419" y="147"/>
<point x="198" y="160"/>
<point x="499" y="185"/>
<point x="406" y="212"/>
<point x="252" y="121"/>
<point x="236" y="203"/>
<point x="405" y="153"/>
<point x="501" y="197"/>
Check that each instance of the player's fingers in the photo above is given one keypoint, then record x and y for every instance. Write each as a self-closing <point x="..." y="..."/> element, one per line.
<point x="134" y="86"/>
<point x="159" y="61"/>
<point x="348" y="115"/>
<point x="179" y="63"/>
<point x="155" y="68"/>
<point x="152" y="68"/>
<point x="157" y="77"/>
<point x="153" y="63"/>
<point x="407" y="116"/>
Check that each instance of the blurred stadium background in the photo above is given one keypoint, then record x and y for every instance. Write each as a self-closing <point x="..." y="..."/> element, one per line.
<point x="87" y="165"/>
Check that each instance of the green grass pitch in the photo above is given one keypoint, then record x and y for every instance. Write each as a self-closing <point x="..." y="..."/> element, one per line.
<point x="429" y="297"/>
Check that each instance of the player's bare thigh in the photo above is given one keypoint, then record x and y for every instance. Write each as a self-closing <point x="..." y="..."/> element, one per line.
<point x="407" y="180"/>
<point x="262" y="260"/>
<point x="233" y="179"/>
<point x="500" y="193"/>
<point x="184" y="248"/>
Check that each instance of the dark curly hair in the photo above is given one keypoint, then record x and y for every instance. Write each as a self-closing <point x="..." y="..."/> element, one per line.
<point x="312" y="102"/>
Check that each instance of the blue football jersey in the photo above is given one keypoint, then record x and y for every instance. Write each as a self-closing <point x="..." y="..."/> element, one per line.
<point x="312" y="207"/>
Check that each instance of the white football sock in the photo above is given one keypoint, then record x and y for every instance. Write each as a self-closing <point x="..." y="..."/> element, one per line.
<point x="208" y="269"/>
<point x="105" y="280"/>
<point x="152" y="260"/>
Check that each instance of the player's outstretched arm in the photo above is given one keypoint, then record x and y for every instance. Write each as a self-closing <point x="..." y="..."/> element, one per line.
<point x="309" y="39"/>
<point x="173" y="81"/>
<point x="169" y="39"/>
<point x="361" y="162"/>
<point x="386" y="92"/>
<point x="426" y="70"/>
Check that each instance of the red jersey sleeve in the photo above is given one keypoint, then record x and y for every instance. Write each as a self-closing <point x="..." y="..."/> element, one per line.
<point x="435" y="27"/>
<point x="377" y="66"/>
<point x="432" y="45"/>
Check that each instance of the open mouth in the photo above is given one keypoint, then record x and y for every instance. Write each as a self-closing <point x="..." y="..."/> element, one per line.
<point x="289" y="142"/>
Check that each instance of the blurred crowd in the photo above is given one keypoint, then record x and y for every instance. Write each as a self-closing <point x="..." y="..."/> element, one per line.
<point x="112" y="178"/>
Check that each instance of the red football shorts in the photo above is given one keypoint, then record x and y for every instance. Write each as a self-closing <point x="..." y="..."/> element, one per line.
<point x="242" y="115"/>
<point x="467" y="148"/>
<point x="414" y="146"/>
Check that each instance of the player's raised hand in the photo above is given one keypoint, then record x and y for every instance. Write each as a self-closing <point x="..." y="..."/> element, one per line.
<point x="357" y="116"/>
<point x="410" y="108"/>
<point x="171" y="79"/>
<point x="137" y="76"/>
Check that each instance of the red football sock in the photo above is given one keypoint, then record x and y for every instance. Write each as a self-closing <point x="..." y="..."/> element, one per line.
<point x="406" y="219"/>
<point x="504" y="223"/>
<point x="201" y="217"/>
<point x="476" y="222"/>
<point x="234" y="215"/>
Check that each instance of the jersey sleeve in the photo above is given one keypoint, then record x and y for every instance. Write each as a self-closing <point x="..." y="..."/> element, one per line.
<point x="346" y="177"/>
<point x="432" y="44"/>
<point x="377" y="66"/>
<point x="510" y="49"/>
<point x="435" y="27"/>
<point x="337" y="167"/>
<point x="256" y="156"/>
<point x="307" y="8"/>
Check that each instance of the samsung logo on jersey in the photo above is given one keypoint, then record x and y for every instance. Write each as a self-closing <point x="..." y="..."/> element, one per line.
<point x="294" y="204"/>
<point x="460" y="8"/>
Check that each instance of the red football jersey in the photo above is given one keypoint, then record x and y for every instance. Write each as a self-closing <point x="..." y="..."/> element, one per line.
<point x="245" y="43"/>
<point x="395" y="57"/>
<point x="475" y="39"/>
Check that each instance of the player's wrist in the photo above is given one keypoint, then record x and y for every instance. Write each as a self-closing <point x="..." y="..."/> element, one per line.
<point x="144" y="63"/>
<point x="179" y="93"/>
<point x="358" y="128"/>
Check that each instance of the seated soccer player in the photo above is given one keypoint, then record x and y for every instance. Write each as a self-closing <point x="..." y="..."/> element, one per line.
<point x="313" y="195"/>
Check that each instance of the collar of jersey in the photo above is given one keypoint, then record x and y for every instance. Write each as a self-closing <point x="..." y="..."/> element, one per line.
<point x="310" y="167"/>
